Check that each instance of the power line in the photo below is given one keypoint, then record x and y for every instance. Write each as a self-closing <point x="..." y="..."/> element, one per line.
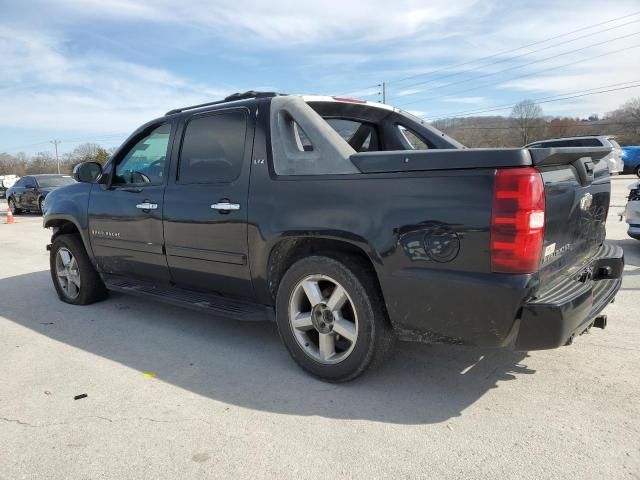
<point x="537" y="102"/>
<point x="504" y="52"/>
<point x="502" y="107"/>
<point x="527" y="74"/>
<point x="522" y="55"/>
<point x="571" y="125"/>
<point x="633" y="14"/>
<point x="516" y="67"/>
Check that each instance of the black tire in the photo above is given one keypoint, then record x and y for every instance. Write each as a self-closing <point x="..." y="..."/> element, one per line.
<point x="12" y="205"/>
<point x="40" y="200"/>
<point x="637" y="171"/>
<point x="92" y="288"/>
<point x="375" y="337"/>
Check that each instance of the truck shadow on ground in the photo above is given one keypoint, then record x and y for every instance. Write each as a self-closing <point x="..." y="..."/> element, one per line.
<point x="244" y="364"/>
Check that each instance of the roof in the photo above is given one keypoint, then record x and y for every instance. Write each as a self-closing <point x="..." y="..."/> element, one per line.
<point x="48" y="175"/>
<point x="252" y="94"/>
<point x="231" y="98"/>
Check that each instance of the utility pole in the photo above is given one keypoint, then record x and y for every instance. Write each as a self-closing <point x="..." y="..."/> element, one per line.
<point x="384" y="92"/>
<point x="56" y="143"/>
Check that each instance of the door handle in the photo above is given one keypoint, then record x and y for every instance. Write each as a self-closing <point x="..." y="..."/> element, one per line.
<point x="225" y="206"/>
<point x="147" y="206"/>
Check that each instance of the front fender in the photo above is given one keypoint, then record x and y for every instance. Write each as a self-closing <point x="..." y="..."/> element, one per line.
<point x="69" y="204"/>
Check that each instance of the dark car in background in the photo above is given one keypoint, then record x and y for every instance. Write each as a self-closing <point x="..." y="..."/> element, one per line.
<point x="29" y="192"/>
<point x="631" y="159"/>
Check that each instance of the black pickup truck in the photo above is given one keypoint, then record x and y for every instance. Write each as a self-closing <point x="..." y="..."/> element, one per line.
<point x="349" y="223"/>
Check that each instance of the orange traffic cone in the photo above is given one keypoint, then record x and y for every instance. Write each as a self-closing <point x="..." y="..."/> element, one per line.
<point x="10" y="218"/>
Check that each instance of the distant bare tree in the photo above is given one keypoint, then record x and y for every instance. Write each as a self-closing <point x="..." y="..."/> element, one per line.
<point x="632" y="108"/>
<point x="527" y="121"/>
<point x="565" y="127"/>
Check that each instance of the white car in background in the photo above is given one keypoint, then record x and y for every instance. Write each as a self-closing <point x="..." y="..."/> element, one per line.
<point x="614" y="159"/>
<point x="6" y="182"/>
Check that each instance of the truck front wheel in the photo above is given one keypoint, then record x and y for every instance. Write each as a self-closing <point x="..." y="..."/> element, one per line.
<point x="331" y="317"/>
<point x="73" y="275"/>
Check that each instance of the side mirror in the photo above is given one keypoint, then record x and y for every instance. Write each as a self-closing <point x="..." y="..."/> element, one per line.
<point x="87" y="172"/>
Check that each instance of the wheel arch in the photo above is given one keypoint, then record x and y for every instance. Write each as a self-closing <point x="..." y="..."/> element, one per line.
<point x="64" y="224"/>
<point x="287" y="251"/>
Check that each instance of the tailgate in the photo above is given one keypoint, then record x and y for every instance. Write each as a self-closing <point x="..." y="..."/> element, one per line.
<point x="577" y="192"/>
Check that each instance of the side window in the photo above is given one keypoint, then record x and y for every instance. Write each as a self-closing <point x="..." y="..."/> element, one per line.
<point x="589" y="142"/>
<point x="413" y="139"/>
<point x="20" y="183"/>
<point x="144" y="163"/>
<point x="213" y="148"/>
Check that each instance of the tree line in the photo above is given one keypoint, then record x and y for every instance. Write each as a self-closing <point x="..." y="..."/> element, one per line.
<point x="45" y="162"/>
<point x="524" y="125"/>
<point x="527" y="123"/>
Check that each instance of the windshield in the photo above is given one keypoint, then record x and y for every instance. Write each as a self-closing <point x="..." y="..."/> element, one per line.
<point x="51" y="182"/>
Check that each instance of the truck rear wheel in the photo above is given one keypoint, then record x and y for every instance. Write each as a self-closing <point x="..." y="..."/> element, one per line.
<point x="73" y="275"/>
<point x="331" y="317"/>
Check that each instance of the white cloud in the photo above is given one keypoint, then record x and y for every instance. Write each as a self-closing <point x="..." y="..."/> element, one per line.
<point x="465" y="100"/>
<point x="42" y="86"/>
<point x="408" y="91"/>
<point x="49" y="80"/>
<point x="283" y="21"/>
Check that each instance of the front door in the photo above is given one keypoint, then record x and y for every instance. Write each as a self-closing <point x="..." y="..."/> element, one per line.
<point x="205" y="214"/>
<point x="125" y="213"/>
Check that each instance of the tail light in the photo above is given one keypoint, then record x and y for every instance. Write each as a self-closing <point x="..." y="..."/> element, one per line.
<point x="517" y="220"/>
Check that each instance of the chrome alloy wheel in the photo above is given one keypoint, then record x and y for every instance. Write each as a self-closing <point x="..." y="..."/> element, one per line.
<point x="323" y="319"/>
<point x="67" y="273"/>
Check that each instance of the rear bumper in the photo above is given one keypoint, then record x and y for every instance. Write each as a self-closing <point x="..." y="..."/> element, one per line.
<point x="568" y="309"/>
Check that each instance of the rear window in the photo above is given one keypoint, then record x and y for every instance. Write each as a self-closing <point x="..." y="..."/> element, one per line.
<point x="51" y="182"/>
<point x="213" y="148"/>
<point x="362" y="136"/>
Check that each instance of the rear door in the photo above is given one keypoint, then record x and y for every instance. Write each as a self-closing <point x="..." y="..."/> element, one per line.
<point x="125" y="214"/>
<point x="205" y="216"/>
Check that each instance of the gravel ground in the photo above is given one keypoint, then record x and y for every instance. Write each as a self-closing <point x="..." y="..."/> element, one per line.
<point x="178" y="394"/>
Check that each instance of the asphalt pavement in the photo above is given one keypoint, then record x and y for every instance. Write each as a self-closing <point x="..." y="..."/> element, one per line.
<point x="172" y="393"/>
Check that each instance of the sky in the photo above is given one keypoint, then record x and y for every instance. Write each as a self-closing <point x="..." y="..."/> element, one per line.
<point x="94" y="70"/>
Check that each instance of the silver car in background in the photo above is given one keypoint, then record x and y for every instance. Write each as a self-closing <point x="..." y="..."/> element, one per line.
<point x="614" y="159"/>
<point x="632" y="210"/>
